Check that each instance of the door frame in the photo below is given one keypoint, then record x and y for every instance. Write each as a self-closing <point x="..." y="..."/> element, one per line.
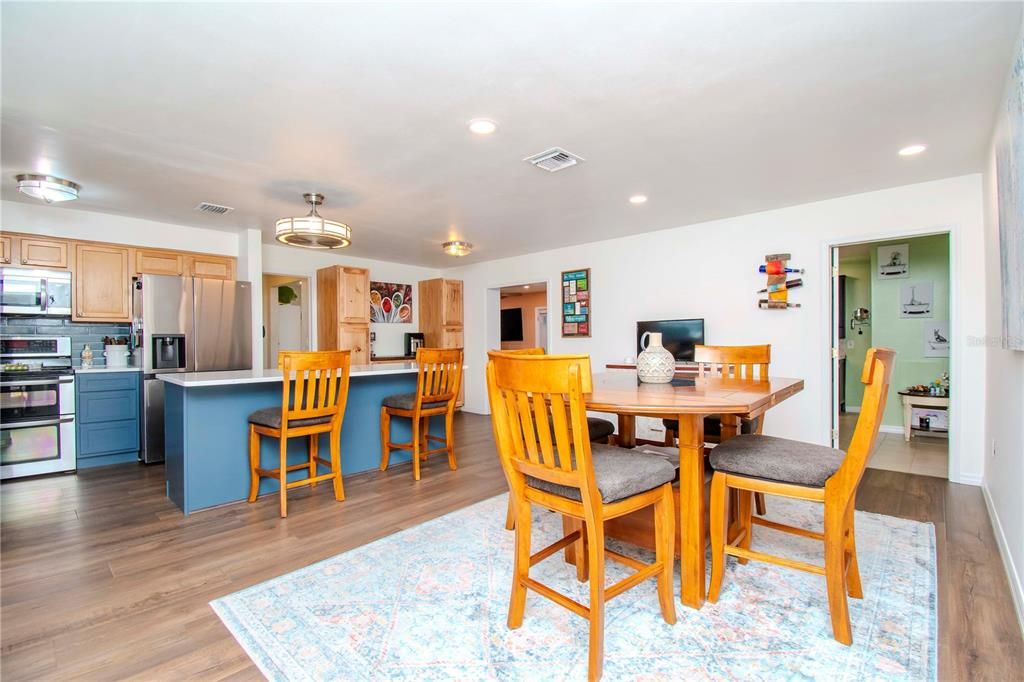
<point x="306" y="302"/>
<point x="536" y="327"/>
<point x="829" y="334"/>
<point x="492" y="314"/>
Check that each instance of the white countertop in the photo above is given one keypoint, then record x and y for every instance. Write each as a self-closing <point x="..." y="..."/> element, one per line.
<point x="93" y="370"/>
<point x="266" y="376"/>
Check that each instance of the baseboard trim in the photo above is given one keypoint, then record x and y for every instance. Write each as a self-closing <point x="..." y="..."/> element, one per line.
<point x="853" y="409"/>
<point x="969" y="479"/>
<point x="884" y="428"/>
<point x="1016" y="589"/>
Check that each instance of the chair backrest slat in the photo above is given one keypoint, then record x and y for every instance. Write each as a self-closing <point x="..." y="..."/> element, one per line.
<point x="440" y="376"/>
<point x="314" y="384"/>
<point x="539" y="414"/>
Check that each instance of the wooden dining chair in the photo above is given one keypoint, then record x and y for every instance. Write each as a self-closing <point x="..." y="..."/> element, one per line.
<point x="437" y="389"/>
<point x="756" y="463"/>
<point x="539" y="417"/>
<point x="737" y="362"/>
<point x="313" y="396"/>
<point x="599" y="431"/>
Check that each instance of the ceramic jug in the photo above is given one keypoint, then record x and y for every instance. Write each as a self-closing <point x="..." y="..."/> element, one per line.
<point x="655" y="365"/>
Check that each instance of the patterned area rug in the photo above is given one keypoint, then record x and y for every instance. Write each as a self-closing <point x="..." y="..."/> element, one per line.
<point x="430" y="602"/>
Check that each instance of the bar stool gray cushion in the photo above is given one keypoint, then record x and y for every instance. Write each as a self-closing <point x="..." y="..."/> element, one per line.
<point x="407" y="401"/>
<point x="713" y="425"/>
<point x="777" y="459"/>
<point x="620" y="473"/>
<point x="271" y="417"/>
<point x="600" y="429"/>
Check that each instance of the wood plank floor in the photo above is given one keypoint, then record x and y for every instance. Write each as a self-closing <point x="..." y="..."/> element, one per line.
<point x="103" y="578"/>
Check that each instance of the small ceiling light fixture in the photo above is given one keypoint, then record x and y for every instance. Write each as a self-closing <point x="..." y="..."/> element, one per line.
<point x="311" y="231"/>
<point x="913" y="150"/>
<point x="457" y="248"/>
<point x="638" y="199"/>
<point x="47" y="187"/>
<point x="482" y="126"/>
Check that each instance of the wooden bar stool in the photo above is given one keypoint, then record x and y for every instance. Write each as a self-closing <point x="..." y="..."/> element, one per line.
<point x="540" y="418"/>
<point x="754" y="463"/>
<point x="316" y="406"/>
<point x="739" y="362"/>
<point x="437" y="389"/>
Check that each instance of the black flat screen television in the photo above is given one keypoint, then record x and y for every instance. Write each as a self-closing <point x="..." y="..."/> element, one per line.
<point x="512" y="324"/>
<point x="678" y="336"/>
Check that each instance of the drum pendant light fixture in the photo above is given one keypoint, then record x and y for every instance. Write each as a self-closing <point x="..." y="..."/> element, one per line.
<point x="312" y="231"/>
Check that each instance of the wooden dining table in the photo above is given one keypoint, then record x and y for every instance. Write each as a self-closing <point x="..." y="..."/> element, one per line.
<point x="688" y="399"/>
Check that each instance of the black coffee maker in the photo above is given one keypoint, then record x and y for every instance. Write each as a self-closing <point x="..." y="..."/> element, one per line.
<point x="413" y="341"/>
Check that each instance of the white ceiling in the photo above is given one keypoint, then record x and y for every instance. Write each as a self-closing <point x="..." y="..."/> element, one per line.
<point x="712" y="110"/>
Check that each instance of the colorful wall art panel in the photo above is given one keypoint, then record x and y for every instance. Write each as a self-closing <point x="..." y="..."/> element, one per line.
<point x="390" y="303"/>
<point x="576" y="302"/>
<point x="776" y="267"/>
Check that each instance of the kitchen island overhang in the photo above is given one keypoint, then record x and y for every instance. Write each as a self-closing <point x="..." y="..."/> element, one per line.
<point x="206" y="432"/>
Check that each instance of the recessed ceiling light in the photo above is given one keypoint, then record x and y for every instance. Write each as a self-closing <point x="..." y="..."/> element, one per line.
<point x="482" y="126"/>
<point x="457" y="248"/>
<point x="638" y="199"/>
<point x="47" y="187"/>
<point x="913" y="149"/>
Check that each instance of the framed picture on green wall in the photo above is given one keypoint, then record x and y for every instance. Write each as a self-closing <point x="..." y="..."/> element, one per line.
<point x="916" y="300"/>
<point x="936" y="339"/>
<point x="894" y="261"/>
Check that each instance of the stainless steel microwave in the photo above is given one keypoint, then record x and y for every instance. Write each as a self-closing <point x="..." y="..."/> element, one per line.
<point x="35" y="292"/>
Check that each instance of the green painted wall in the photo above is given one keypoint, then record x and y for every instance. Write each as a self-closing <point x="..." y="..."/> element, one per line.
<point x="858" y="295"/>
<point x="929" y="262"/>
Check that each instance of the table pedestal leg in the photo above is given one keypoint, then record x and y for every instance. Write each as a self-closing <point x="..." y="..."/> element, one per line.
<point x="627" y="431"/>
<point x="691" y="509"/>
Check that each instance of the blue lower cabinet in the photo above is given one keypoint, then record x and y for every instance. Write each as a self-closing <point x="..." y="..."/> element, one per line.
<point x="107" y="411"/>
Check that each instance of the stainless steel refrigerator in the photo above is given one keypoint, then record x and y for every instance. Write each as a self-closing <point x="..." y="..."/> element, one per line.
<point x="186" y="324"/>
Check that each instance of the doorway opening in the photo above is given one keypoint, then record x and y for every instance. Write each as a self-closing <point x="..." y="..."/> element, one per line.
<point x="523" y="322"/>
<point x="896" y="294"/>
<point x="286" y="321"/>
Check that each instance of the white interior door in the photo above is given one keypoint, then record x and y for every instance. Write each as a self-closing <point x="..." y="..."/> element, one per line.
<point x="834" y="321"/>
<point x="542" y="328"/>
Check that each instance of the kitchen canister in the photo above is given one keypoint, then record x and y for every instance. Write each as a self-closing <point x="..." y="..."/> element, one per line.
<point x="117" y="356"/>
<point x="655" y="365"/>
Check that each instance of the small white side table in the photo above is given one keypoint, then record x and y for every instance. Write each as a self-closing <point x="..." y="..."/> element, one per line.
<point x="912" y="400"/>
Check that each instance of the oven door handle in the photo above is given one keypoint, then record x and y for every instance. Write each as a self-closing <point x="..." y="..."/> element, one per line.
<point x="44" y="422"/>
<point x="36" y="382"/>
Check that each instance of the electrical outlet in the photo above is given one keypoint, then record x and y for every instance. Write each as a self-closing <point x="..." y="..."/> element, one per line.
<point x="850" y="344"/>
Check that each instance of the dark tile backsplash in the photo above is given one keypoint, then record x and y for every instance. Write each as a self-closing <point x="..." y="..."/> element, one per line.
<point x="81" y="333"/>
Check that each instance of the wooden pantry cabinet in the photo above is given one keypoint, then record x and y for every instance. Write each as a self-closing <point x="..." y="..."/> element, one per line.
<point x="102" y="283"/>
<point x="441" y="317"/>
<point x="343" y="311"/>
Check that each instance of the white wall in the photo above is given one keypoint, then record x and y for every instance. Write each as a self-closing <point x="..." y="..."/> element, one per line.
<point x="1004" y="467"/>
<point x="287" y="260"/>
<point x="60" y="221"/>
<point x="709" y="270"/>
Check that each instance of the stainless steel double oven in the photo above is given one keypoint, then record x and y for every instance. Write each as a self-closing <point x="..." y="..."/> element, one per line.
<point x="37" y="406"/>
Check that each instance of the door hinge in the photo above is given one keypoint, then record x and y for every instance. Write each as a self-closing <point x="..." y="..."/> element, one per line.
<point x="835" y="434"/>
<point x="835" y="271"/>
<point x="835" y="353"/>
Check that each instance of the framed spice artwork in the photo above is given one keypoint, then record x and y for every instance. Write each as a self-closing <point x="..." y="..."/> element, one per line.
<point x="576" y="302"/>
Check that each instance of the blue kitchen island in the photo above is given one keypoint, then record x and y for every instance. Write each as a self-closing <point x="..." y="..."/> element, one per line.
<point x="206" y="430"/>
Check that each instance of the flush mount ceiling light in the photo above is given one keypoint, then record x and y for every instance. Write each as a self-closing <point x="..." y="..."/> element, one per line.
<point x="457" y="248"/>
<point x="638" y="199"/>
<point x="913" y="150"/>
<point x="482" y="126"/>
<point x="312" y="231"/>
<point x="47" y="187"/>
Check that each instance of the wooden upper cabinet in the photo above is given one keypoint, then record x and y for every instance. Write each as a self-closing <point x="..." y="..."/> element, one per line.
<point x="153" y="262"/>
<point x="452" y="302"/>
<point x="211" y="267"/>
<point x="47" y="253"/>
<point x="355" y="295"/>
<point x="356" y="338"/>
<point x="5" y="250"/>
<point x="102" y="283"/>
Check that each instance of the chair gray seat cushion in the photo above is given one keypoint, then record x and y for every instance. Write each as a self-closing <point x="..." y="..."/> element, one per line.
<point x="713" y="425"/>
<point x="620" y="473"/>
<point x="599" y="428"/>
<point x="407" y="401"/>
<point x="271" y="417"/>
<point x="777" y="459"/>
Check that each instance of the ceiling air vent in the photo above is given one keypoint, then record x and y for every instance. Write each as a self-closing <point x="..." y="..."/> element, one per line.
<point x="215" y="209"/>
<point x="554" y="160"/>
